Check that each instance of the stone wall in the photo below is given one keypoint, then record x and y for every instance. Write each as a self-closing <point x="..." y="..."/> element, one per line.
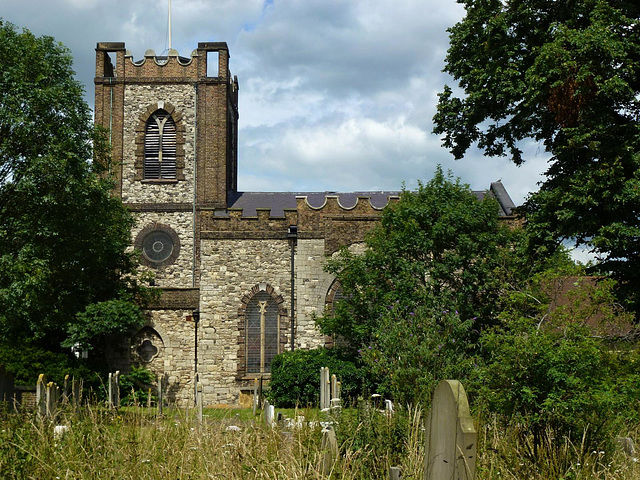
<point x="312" y="285"/>
<point x="137" y="100"/>
<point x="230" y="270"/>
<point x="179" y="273"/>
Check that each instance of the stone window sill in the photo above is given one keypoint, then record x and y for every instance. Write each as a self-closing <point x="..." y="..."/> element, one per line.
<point x="161" y="181"/>
<point x="254" y="376"/>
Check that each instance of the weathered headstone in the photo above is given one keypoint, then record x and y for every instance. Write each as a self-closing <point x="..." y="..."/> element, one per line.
<point x="322" y="390"/>
<point x="76" y="387"/>
<point x="256" y="400"/>
<point x="161" y="385"/>
<point x="394" y="473"/>
<point x="41" y="395"/>
<point x="269" y="414"/>
<point x="450" y="437"/>
<point x="116" y="387"/>
<point x="388" y="407"/>
<point x="50" y="399"/>
<point x="329" y="449"/>
<point x="199" y="401"/>
<point x="325" y="388"/>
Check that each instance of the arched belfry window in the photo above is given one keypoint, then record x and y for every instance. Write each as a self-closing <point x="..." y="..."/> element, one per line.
<point x="263" y="325"/>
<point x="160" y="147"/>
<point x="160" y="143"/>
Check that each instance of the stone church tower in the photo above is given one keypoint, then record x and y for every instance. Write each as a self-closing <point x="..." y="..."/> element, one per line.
<point x="249" y="263"/>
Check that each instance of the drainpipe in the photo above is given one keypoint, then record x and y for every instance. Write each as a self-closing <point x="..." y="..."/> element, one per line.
<point x="195" y="186"/>
<point x="292" y="235"/>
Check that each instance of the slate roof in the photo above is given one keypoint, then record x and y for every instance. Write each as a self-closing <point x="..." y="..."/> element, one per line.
<point x="280" y="201"/>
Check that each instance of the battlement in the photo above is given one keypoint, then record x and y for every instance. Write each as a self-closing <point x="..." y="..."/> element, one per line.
<point x="352" y="204"/>
<point x="208" y="63"/>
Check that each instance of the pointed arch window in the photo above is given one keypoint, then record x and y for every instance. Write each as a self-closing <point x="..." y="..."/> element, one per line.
<point x="261" y="332"/>
<point x="160" y="147"/>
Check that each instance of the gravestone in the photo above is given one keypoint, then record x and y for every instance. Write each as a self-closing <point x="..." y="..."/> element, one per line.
<point x="51" y="399"/>
<point x="329" y="450"/>
<point x="110" y="393"/>
<point x="41" y="395"/>
<point x="269" y="414"/>
<point x="388" y="407"/>
<point x="394" y="473"/>
<point x="199" y="401"/>
<point x="256" y="400"/>
<point x="450" y="437"/>
<point x="162" y="381"/>
<point x="76" y="387"/>
<point x="325" y="388"/>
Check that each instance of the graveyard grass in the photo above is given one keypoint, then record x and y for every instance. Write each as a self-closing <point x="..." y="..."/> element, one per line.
<point x="134" y="443"/>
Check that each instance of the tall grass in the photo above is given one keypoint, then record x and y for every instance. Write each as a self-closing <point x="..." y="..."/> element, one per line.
<point x="134" y="444"/>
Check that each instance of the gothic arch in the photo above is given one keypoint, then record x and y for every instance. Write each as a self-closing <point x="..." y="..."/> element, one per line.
<point x="141" y="131"/>
<point x="247" y="313"/>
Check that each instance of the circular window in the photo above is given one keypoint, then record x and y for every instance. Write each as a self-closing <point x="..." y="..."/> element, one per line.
<point x="159" y="245"/>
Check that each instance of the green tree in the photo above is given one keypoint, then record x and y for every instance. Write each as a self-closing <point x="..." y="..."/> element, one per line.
<point x="565" y="74"/>
<point x="553" y="373"/>
<point x="63" y="235"/>
<point x="423" y="285"/>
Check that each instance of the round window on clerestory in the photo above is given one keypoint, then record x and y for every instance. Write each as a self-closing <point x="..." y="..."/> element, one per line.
<point x="157" y="246"/>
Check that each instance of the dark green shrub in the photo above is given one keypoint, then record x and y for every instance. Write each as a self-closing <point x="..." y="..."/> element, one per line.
<point x="135" y="385"/>
<point x="295" y="376"/>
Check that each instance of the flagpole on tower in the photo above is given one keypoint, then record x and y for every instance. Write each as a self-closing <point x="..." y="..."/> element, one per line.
<point x="170" y="25"/>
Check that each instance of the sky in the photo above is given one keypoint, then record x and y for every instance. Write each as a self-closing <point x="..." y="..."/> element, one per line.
<point x="335" y="95"/>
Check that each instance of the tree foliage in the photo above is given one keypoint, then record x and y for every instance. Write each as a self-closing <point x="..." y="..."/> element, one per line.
<point x="422" y="288"/>
<point x="566" y="74"/>
<point x="554" y="373"/>
<point x="295" y="376"/>
<point x="63" y="234"/>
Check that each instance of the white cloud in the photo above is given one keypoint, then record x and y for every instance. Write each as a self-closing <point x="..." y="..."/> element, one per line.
<point x="334" y="94"/>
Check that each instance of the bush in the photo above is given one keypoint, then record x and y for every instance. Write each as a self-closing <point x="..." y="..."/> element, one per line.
<point x="295" y="376"/>
<point x="135" y="386"/>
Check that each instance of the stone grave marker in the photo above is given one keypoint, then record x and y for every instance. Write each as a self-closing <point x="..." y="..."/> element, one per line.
<point x="256" y="401"/>
<point x="394" y="473"/>
<point x="269" y="414"/>
<point x="199" y="401"/>
<point x="76" y="388"/>
<point x="450" y="437"/>
<point x="329" y="449"/>
<point x="41" y="395"/>
<point x="162" y="382"/>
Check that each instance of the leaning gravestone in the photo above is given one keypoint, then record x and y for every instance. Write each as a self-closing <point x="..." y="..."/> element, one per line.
<point x="329" y="450"/>
<point x="41" y="395"/>
<point x="450" y="437"/>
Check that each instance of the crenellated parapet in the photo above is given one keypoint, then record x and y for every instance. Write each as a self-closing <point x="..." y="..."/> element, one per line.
<point x="209" y="62"/>
<point x="236" y="226"/>
<point x="340" y="220"/>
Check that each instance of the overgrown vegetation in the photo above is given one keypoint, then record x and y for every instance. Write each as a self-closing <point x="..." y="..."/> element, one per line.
<point x="136" y="444"/>
<point x="296" y="376"/>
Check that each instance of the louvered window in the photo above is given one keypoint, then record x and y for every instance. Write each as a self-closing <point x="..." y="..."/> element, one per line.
<point x="160" y="147"/>
<point x="262" y="333"/>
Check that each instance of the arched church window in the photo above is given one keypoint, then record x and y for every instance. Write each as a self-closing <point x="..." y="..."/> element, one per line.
<point x="335" y="295"/>
<point x="261" y="332"/>
<point x="160" y="147"/>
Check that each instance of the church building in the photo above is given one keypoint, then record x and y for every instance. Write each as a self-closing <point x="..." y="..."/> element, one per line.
<point x="241" y="273"/>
